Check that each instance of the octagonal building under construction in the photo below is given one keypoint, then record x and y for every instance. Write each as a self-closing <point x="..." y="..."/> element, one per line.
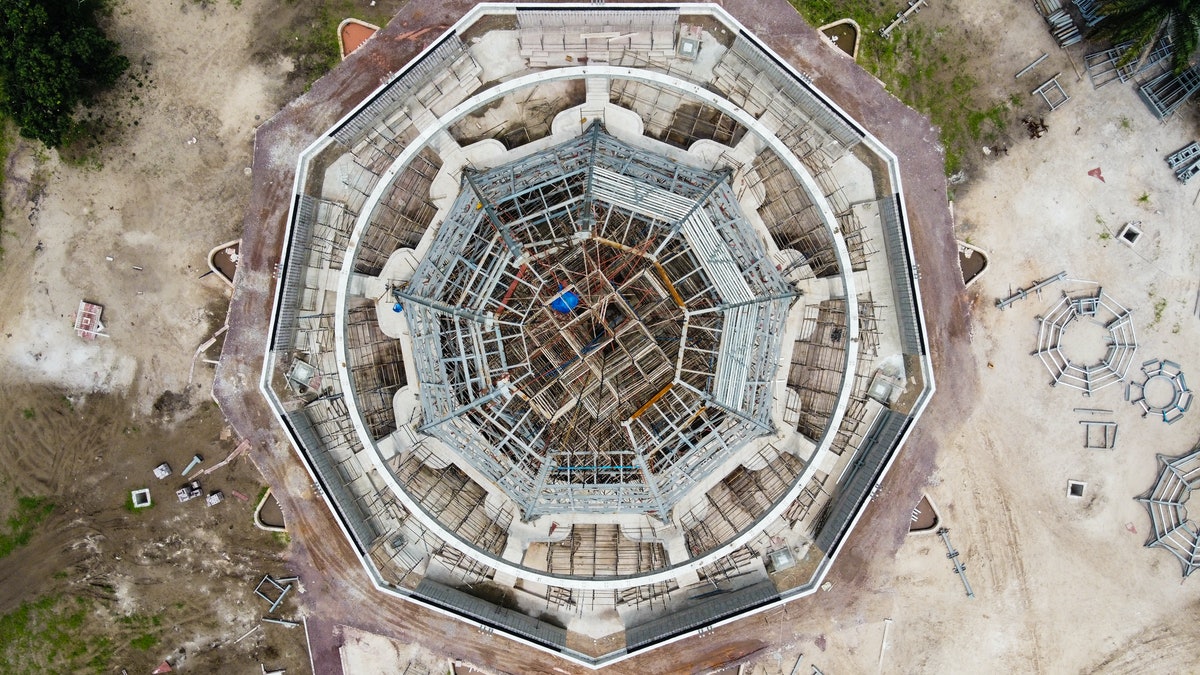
<point x="597" y="325"/>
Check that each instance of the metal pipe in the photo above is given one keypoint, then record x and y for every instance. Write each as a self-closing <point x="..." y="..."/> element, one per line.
<point x="1031" y="66"/>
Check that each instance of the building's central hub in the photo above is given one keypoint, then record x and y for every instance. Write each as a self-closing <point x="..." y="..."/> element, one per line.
<point x="595" y="324"/>
<point x="602" y="338"/>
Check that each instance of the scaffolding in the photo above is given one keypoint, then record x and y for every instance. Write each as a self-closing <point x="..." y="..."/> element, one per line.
<point x="740" y="561"/>
<point x="594" y="325"/>
<point x="737" y="501"/>
<point x="1121" y="344"/>
<point x="603" y="550"/>
<point x="818" y="367"/>
<point x="388" y="111"/>
<point x="331" y="231"/>
<point x="635" y="597"/>
<point x="670" y="116"/>
<point x="376" y="366"/>
<point x="1116" y="64"/>
<point x="326" y="432"/>
<point x="557" y="38"/>
<point x="458" y="501"/>
<point x="402" y="216"/>
<point x="1166" y="503"/>
<point x="791" y="218"/>
<point x="812" y="499"/>
<point x="1166" y="92"/>
<point x="752" y="80"/>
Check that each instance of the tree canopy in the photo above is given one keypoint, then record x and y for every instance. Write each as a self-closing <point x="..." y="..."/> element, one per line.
<point x="1147" y="22"/>
<point x="53" y="57"/>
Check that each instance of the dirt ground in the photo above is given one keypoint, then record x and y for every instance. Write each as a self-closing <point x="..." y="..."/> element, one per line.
<point x="183" y="573"/>
<point x="130" y="228"/>
<point x="1060" y="585"/>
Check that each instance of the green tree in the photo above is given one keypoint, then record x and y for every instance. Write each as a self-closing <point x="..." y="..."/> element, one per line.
<point x="53" y="58"/>
<point x="1147" y="22"/>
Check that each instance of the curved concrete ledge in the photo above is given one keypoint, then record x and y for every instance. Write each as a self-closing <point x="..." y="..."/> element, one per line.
<point x="357" y="26"/>
<point x="971" y="251"/>
<point x="219" y="250"/>
<point x="937" y="517"/>
<point x="258" y="522"/>
<point x="857" y="35"/>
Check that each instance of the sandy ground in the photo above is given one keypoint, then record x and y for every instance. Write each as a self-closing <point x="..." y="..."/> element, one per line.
<point x="86" y="422"/>
<point x="168" y="190"/>
<point x="1061" y="585"/>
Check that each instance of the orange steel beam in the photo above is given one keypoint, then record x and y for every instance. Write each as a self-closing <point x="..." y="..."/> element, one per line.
<point x="653" y="399"/>
<point x="662" y="274"/>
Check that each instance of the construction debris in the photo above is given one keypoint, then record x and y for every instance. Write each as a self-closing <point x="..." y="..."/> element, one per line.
<point x="1031" y="66"/>
<point x="1053" y="94"/>
<point x="268" y="583"/>
<point x="1036" y="126"/>
<point x="1185" y="161"/>
<point x="959" y="568"/>
<point x="87" y="320"/>
<point x="189" y="491"/>
<point x="914" y="6"/>
<point x="1023" y="293"/>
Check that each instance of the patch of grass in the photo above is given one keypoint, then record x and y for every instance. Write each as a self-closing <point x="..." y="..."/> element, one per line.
<point x="43" y="636"/>
<point x="1126" y="123"/>
<point x="1105" y="235"/>
<point x="314" y="48"/>
<point x="28" y="413"/>
<point x="282" y="538"/>
<point x="995" y="115"/>
<point x="1160" y="306"/>
<point x="139" y="620"/>
<point x="1144" y="198"/>
<point x="29" y="512"/>
<point x="919" y="65"/>
<point x="144" y="641"/>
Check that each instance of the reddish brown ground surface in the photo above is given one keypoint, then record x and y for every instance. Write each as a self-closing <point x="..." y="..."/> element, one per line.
<point x="337" y="588"/>
<point x="353" y="36"/>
